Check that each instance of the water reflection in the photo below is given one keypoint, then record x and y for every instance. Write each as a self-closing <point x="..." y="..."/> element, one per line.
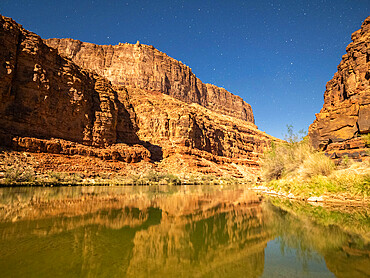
<point x="165" y="231"/>
<point x="339" y="236"/>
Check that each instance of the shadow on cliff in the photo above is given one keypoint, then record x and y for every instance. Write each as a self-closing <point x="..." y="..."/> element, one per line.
<point x="156" y="152"/>
<point x="127" y="129"/>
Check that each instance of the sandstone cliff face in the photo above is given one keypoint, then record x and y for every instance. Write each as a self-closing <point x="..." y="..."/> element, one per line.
<point x="142" y="66"/>
<point x="179" y="128"/>
<point x="346" y="110"/>
<point x="48" y="104"/>
<point x="44" y="95"/>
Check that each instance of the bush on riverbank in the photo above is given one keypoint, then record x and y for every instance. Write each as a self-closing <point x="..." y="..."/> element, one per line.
<point x="295" y="167"/>
<point x="292" y="159"/>
<point x="18" y="169"/>
<point x="366" y="139"/>
<point x="341" y="181"/>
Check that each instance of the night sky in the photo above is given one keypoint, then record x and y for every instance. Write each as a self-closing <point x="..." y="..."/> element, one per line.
<point x="276" y="55"/>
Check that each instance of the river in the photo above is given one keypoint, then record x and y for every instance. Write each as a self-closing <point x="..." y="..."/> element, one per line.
<point x="177" y="231"/>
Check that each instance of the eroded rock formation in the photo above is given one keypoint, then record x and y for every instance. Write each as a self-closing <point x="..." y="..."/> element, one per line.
<point x="179" y="128"/>
<point x="162" y="113"/>
<point x="346" y="111"/>
<point x="45" y="95"/>
<point x="143" y="66"/>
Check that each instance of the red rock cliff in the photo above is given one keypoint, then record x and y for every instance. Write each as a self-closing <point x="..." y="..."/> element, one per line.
<point x="48" y="104"/>
<point x="142" y="66"/>
<point x="44" y="95"/>
<point x="346" y="110"/>
<point x="180" y="128"/>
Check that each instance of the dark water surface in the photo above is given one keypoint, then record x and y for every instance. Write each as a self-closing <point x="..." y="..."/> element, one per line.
<point x="164" y="231"/>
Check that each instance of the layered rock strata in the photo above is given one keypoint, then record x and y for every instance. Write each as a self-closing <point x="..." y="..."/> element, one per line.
<point x="50" y="104"/>
<point x="45" y="95"/>
<point x="179" y="128"/>
<point x="143" y="66"/>
<point x="346" y="111"/>
<point x="116" y="152"/>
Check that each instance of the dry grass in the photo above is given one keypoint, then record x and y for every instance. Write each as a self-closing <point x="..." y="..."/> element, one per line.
<point x="17" y="168"/>
<point x="296" y="168"/>
<point x="286" y="160"/>
<point x="316" y="164"/>
<point x="353" y="181"/>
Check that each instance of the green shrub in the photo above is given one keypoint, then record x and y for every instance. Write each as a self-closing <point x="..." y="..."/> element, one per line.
<point x="366" y="139"/>
<point x="272" y="163"/>
<point x="64" y="178"/>
<point x="172" y="179"/>
<point x="17" y="168"/>
<point x="19" y="173"/>
<point x="345" y="162"/>
<point x="153" y="176"/>
<point x="292" y="137"/>
<point x="284" y="159"/>
<point x="56" y="177"/>
<point x="73" y="178"/>
<point x="296" y="168"/>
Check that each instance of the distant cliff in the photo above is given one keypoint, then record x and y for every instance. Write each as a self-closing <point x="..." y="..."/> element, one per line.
<point x="346" y="111"/>
<point x="142" y="66"/>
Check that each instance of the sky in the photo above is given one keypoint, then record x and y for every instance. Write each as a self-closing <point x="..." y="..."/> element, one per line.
<point x="276" y="55"/>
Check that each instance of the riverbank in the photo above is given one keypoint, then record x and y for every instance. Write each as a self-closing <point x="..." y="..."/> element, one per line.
<point x="152" y="179"/>
<point x="327" y="198"/>
<point x="38" y="169"/>
<point x="350" y="184"/>
<point x="294" y="170"/>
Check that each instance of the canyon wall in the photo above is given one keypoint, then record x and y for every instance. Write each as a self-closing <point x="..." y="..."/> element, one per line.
<point x="45" y="95"/>
<point x="181" y="128"/>
<point x="346" y="111"/>
<point x="49" y="104"/>
<point x="143" y="66"/>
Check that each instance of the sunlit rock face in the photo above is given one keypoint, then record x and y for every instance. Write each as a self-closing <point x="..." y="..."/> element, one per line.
<point x="46" y="96"/>
<point x="192" y="130"/>
<point x="142" y="66"/>
<point x="50" y="104"/>
<point x="346" y="110"/>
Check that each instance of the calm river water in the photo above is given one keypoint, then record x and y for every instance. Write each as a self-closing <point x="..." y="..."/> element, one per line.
<point x="187" y="231"/>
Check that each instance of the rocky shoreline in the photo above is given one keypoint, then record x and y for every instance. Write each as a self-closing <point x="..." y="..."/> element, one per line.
<point x="342" y="198"/>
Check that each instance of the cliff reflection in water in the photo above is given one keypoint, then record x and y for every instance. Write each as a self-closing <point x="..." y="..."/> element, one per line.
<point x="132" y="231"/>
<point x="157" y="231"/>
